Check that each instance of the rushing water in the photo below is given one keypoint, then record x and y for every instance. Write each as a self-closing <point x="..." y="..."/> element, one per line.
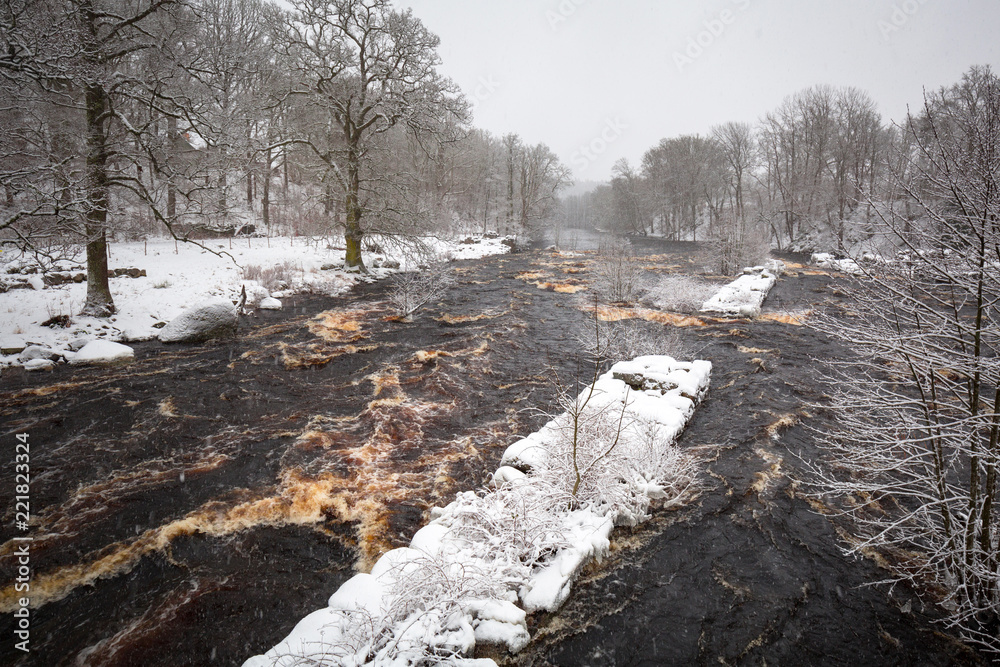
<point x="192" y="506"/>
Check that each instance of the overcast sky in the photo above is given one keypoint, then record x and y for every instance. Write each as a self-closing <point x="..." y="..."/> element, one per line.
<point x="597" y="80"/>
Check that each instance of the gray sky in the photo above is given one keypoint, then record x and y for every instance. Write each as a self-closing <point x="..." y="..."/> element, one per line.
<point x="598" y="80"/>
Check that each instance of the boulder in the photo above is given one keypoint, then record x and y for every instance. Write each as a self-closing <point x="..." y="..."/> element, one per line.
<point x="98" y="352"/>
<point x="39" y="365"/>
<point x="33" y="352"/>
<point x="269" y="304"/>
<point x="213" y="319"/>
<point x="256" y="293"/>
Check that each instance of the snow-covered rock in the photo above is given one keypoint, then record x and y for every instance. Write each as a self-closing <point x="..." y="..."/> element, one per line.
<point x="102" y="352"/>
<point x="255" y="293"/>
<point x="269" y="303"/>
<point x="213" y="319"/>
<point x="33" y="352"/>
<point x="825" y="260"/>
<point x="39" y="365"/>
<point x="36" y="282"/>
<point x="12" y="344"/>
<point x="744" y="296"/>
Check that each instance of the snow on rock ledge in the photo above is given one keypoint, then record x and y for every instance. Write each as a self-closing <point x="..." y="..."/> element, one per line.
<point x="744" y="296"/>
<point x="488" y="559"/>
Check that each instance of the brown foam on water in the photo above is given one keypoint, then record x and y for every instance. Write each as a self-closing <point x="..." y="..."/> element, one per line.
<point x="464" y="319"/>
<point x="616" y="314"/>
<point x="356" y="470"/>
<point x="794" y="319"/>
<point x="50" y="389"/>
<point x="339" y="326"/>
<point x="562" y="288"/>
<point x="317" y="355"/>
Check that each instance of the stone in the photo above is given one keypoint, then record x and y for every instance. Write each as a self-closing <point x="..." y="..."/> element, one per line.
<point x="102" y="352"/>
<point x="269" y="304"/>
<point x="213" y="319"/>
<point x="77" y="344"/>
<point x="390" y="264"/>
<point x="33" y="352"/>
<point x="11" y="345"/>
<point x="39" y="365"/>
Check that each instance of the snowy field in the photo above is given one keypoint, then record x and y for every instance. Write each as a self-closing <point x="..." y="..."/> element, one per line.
<point x="180" y="276"/>
<point x="488" y="559"/>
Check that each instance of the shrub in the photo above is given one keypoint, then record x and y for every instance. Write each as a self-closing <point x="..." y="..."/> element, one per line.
<point x="618" y="277"/>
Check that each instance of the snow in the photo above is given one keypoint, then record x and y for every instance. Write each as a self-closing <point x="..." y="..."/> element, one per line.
<point x="487" y="559"/>
<point x="744" y="296"/>
<point x="825" y="260"/>
<point x="180" y="275"/>
<point x="101" y="352"/>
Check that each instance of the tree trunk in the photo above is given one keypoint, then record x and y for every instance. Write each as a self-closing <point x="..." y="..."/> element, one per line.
<point x="265" y="191"/>
<point x="99" y="302"/>
<point x="352" y="225"/>
<point x="171" y="190"/>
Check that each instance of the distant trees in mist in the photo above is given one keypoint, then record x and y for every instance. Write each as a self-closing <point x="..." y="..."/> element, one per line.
<point x="804" y="170"/>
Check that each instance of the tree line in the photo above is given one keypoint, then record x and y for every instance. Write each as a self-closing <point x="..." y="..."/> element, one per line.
<point x="806" y="167"/>
<point x="123" y="118"/>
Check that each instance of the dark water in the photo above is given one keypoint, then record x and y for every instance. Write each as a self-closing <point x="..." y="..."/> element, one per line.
<point x="193" y="506"/>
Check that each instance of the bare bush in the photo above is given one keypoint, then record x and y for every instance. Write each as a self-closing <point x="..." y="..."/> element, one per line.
<point x="273" y="278"/>
<point x="627" y="339"/>
<point x="411" y="291"/>
<point x="679" y="294"/>
<point x="609" y="459"/>
<point x="514" y="527"/>
<point x="618" y="276"/>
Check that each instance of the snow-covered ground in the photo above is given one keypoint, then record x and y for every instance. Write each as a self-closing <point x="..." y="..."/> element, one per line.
<point x="744" y="296"/>
<point x="180" y="276"/>
<point x="487" y="559"/>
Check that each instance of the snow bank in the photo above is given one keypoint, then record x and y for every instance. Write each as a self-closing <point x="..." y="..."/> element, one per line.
<point x="179" y="276"/>
<point x="487" y="559"/>
<point x="744" y="296"/>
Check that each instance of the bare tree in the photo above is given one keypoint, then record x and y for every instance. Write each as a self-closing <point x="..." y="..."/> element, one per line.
<point x="919" y="415"/>
<point x="363" y="69"/>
